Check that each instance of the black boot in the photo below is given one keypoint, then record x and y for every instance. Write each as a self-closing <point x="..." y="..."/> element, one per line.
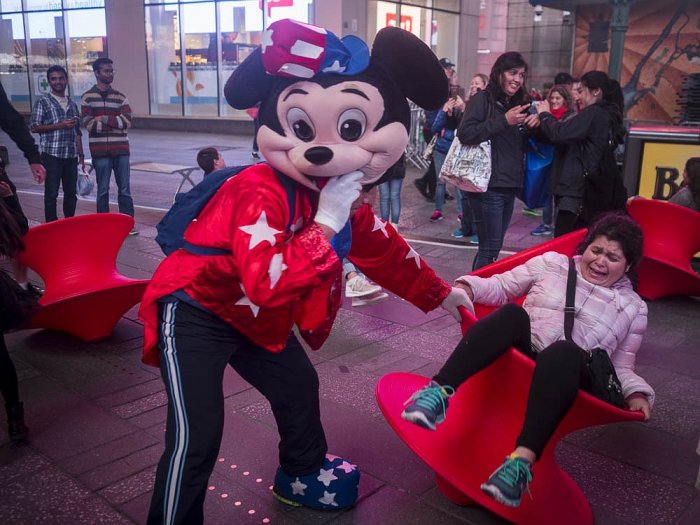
<point x="15" y="423"/>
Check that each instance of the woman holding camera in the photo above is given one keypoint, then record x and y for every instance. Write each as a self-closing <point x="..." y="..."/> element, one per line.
<point x="580" y="144"/>
<point x="499" y="113"/>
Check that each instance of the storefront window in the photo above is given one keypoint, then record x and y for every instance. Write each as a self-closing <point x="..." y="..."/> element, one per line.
<point x="216" y="36"/>
<point x="438" y="27"/>
<point x="201" y="87"/>
<point x="47" y="47"/>
<point x="164" y="63"/>
<point x="444" y="39"/>
<point x="8" y="6"/>
<point x="240" y="25"/>
<point x="41" y="5"/>
<point x="73" y="38"/>
<point x="13" y="60"/>
<point x="76" y="4"/>
<point x="87" y="41"/>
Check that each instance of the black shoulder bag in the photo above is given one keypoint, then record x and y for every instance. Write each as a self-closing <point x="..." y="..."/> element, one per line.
<point x="605" y="384"/>
<point x="604" y="189"/>
<point x="17" y="305"/>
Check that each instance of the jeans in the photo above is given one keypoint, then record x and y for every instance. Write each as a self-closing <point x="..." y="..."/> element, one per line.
<point x="390" y="200"/>
<point x="439" y="159"/>
<point x="103" y="169"/>
<point x="59" y="172"/>
<point x="466" y="222"/>
<point x="492" y="211"/>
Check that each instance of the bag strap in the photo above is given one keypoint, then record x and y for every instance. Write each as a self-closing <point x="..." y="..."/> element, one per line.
<point x="569" y="309"/>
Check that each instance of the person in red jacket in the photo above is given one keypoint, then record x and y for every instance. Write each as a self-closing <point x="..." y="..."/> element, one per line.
<point x="270" y="244"/>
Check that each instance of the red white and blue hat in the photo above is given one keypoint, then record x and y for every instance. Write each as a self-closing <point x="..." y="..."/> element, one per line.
<point x="294" y="49"/>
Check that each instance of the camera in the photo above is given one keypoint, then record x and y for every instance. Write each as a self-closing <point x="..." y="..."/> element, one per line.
<point x="538" y="10"/>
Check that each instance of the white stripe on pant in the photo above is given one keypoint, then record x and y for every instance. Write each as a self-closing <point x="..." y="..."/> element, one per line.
<point x="173" y="481"/>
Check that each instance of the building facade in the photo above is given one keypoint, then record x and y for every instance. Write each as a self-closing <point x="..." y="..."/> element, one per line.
<point x="173" y="57"/>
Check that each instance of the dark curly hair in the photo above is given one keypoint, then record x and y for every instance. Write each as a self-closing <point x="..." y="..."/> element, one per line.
<point x="618" y="227"/>
<point x="508" y="60"/>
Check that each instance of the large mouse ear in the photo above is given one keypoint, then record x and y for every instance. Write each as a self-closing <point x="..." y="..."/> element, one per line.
<point x="412" y="65"/>
<point x="249" y="83"/>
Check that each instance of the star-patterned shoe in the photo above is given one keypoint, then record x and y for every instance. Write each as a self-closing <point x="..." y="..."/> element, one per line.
<point x="333" y="487"/>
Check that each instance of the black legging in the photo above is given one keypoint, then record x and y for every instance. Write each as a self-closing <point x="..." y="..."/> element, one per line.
<point x="8" y="376"/>
<point x="560" y="370"/>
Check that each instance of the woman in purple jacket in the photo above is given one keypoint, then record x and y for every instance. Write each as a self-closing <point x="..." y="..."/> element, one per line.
<point x="608" y="315"/>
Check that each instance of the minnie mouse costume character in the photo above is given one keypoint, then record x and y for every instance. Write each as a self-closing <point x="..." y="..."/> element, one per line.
<point x="332" y="118"/>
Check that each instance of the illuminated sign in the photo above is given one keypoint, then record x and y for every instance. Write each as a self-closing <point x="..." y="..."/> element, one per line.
<point x="662" y="168"/>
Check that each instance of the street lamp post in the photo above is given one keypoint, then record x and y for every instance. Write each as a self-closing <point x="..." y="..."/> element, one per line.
<point x="618" y="28"/>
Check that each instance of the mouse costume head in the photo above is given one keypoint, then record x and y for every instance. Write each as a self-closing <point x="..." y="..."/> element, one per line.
<point x="328" y="107"/>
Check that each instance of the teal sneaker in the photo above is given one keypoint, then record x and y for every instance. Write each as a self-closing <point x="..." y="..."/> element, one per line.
<point x="427" y="406"/>
<point x="508" y="482"/>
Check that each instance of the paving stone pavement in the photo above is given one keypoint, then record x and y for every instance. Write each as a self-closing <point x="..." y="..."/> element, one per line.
<point x="97" y="414"/>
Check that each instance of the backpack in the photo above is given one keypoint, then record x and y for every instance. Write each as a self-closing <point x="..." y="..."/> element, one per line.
<point x="188" y="206"/>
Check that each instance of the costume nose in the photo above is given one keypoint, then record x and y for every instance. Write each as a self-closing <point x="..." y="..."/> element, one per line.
<point x="318" y="155"/>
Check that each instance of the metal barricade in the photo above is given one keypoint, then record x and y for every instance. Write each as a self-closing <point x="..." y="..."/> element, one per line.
<point x="416" y="144"/>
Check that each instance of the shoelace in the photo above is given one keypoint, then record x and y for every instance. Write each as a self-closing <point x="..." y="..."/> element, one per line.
<point x="511" y="472"/>
<point x="431" y="397"/>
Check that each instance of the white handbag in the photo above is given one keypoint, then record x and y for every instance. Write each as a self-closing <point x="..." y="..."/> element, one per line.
<point x="85" y="183"/>
<point x="468" y="166"/>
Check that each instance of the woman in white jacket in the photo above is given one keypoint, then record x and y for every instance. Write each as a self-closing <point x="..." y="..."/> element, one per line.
<point x="608" y="315"/>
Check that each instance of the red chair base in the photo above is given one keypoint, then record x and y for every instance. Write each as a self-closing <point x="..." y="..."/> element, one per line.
<point x="481" y="427"/>
<point x="92" y="316"/>
<point x="659" y="279"/>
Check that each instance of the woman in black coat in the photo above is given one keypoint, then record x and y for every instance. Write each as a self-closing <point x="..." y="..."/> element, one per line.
<point x="499" y="114"/>
<point x="581" y="143"/>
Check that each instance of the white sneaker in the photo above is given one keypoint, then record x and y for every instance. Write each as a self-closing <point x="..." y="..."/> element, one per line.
<point x="359" y="286"/>
<point x="369" y="299"/>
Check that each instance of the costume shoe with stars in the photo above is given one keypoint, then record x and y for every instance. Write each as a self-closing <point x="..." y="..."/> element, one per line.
<point x="333" y="487"/>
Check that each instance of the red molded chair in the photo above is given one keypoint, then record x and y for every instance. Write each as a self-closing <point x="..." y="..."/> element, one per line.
<point x="85" y="295"/>
<point x="671" y="238"/>
<point x="485" y="417"/>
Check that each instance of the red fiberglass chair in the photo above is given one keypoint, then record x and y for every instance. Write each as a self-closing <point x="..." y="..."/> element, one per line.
<point x="671" y="238"/>
<point x="485" y="417"/>
<point x="76" y="258"/>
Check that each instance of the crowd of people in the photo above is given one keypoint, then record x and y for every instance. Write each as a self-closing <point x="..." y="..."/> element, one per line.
<point x="580" y="118"/>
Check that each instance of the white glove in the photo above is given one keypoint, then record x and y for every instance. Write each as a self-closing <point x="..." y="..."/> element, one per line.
<point x="336" y="198"/>
<point x="457" y="297"/>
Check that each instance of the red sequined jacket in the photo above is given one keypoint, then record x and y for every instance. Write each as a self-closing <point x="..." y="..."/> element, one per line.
<point x="274" y="279"/>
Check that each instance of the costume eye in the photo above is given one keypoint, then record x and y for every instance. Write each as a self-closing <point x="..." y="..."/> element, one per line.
<point x="352" y="124"/>
<point x="301" y="125"/>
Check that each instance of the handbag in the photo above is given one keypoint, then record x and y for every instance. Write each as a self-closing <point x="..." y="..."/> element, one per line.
<point x="468" y="166"/>
<point x="17" y="305"/>
<point x="538" y="171"/>
<point x="85" y="183"/>
<point x="428" y="151"/>
<point x="604" y="383"/>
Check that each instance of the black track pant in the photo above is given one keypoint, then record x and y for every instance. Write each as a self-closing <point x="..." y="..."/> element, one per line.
<point x="560" y="370"/>
<point x="195" y="349"/>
